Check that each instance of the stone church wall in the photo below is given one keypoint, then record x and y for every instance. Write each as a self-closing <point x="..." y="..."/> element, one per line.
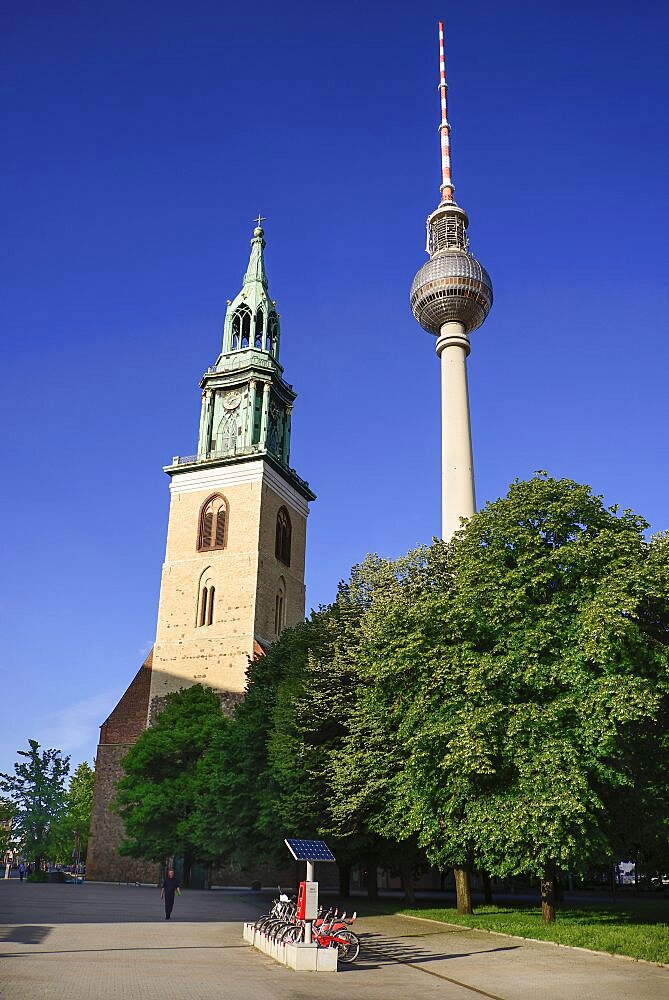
<point x="117" y="734"/>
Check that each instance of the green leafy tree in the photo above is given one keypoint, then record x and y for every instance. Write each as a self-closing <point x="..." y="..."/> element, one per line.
<point x="369" y="794"/>
<point x="518" y="690"/>
<point x="156" y="795"/>
<point x="37" y="792"/>
<point x="74" y="824"/>
<point x="269" y="775"/>
<point x="7" y="812"/>
<point x="310" y="722"/>
<point x="637" y="811"/>
<point x="234" y="816"/>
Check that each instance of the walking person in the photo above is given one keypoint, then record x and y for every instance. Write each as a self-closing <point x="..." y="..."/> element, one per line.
<point x="169" y="889"/>
<point x="22" y="870"/>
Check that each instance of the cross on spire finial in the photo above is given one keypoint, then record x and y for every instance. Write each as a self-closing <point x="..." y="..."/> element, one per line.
<point x="259" y="221"/>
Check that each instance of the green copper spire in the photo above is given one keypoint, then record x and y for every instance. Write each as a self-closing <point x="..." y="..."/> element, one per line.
<point x="256" y="269"/>
<point x="246" y="405"/>
<point x="251" y="320"/>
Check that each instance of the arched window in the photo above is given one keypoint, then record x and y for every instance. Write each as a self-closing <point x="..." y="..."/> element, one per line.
<point x="235" y="331"/>
<point x="205" y="601"/>
<point x="246" y="327"/>
<point x="257" y="343"/>
<point x="213" y="527"/>
<point x="283" y="536"/>
<point x="226" y="434"/>
<point x="280" y="608"/>
<point x="272" y="333"/>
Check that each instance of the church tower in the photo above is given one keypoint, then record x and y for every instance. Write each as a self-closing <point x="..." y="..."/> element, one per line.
<point x="233" y="575"/>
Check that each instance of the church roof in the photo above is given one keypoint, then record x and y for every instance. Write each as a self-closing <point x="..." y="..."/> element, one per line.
<point x="128" y="719"/>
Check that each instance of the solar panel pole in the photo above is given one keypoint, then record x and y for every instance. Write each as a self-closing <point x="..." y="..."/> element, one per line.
<point x="307" y="923"/>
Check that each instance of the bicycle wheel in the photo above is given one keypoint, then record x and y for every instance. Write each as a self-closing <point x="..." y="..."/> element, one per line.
<point x="277" y="930"/>
<point x="348" y="945"/>
<point x="293" y="934"/>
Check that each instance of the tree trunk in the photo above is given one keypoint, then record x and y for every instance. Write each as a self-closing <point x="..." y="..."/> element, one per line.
<point x="487" y="887"/>
<point x="463" y="891"/>
<point x="372" y="880"/>
<point x="548" y="896"/>
<point x="345" y="880"/>
<point x="187" y="870"/>
<point x="406" y="869"/>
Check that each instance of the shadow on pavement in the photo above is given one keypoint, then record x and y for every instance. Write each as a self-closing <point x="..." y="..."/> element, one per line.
<point x="394" y="949"/>
<point x="24" y="934"/>
<point x="92" y="903"/>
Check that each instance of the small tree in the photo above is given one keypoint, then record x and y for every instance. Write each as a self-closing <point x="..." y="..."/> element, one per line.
<point x="74" y="824"/>
<point x="7" y="811"/>
<point x="37" y="790"/>
<point x="156" y="796"/>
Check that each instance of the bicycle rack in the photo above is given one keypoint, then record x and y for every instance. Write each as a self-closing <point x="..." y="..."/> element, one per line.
<point x="302" y="957"/>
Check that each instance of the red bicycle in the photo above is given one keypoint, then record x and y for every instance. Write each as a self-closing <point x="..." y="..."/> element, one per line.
<point x="337" y="935"/>
<point x="330" y="931"/>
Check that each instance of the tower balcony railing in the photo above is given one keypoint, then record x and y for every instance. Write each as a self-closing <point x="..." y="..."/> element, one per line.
<point x="243" y="359"/>
<point x="233" y="452"/>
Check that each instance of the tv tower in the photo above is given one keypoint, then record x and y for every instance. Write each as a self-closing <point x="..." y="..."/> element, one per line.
<point x="450" y="297"/>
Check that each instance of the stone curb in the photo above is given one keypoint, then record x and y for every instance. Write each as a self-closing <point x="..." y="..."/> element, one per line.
<point x="122" y="885"/>
<point x="519" y="937"/>
<point x="300" y="957"/>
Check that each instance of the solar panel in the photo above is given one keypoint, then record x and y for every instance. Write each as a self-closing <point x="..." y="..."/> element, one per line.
<point x="309" y="850"/>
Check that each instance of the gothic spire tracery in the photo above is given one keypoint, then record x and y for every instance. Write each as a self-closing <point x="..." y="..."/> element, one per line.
<point x="251" y="320"/>
<point x="246" y="405"/>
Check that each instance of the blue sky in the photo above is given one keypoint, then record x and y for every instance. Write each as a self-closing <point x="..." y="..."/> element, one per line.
<point x="141" y="139"/>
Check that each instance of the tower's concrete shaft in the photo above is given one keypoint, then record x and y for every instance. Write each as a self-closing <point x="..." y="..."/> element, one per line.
<point x="457" y="466"/>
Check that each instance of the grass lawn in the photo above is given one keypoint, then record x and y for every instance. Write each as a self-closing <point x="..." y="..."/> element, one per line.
<point x="635" y="928"/>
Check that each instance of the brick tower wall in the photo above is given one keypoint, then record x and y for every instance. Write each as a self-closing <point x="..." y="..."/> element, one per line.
<point x="117" y="734"/>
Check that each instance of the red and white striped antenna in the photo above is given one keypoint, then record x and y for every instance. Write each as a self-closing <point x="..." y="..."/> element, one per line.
<point x="447" y="188"/>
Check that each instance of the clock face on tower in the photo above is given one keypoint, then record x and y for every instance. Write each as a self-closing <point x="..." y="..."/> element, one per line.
<point x="231" y="400"/>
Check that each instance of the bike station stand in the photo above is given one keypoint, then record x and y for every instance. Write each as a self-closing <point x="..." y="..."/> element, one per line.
<point x="303" y="956"/>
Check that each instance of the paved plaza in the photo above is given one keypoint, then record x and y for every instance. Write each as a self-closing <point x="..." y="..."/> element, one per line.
<point x="97" y="942"/>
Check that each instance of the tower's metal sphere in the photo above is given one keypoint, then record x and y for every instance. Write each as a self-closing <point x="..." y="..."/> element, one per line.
<point x="451" y="287"/>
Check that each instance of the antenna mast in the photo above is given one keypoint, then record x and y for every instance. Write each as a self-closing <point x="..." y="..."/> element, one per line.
<point x="447" y="188"/>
